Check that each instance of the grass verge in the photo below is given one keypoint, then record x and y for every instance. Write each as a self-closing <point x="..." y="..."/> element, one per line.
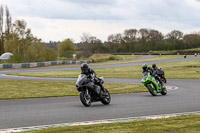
<point x="100" y="58"/>
<point x="17" y="89"/>
<point x="175" y="70"/>
<point x="179" y="124"/>
<point x="184" y="51"/>
<point x="127" y="57"/>
<point x="140" y="59"/>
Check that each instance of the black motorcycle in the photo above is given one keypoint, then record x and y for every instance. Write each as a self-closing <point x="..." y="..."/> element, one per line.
<point x="161" y="74"/>
<point x="90" y="92"/>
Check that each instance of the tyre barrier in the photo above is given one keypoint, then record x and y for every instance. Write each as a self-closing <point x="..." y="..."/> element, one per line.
<point x="41" y="64"/>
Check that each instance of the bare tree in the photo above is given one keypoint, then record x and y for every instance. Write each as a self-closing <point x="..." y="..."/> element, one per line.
<point x="192" y="40"/>
<point x="20" y="38"/>
<point x="89" y="45"/>
<point x="114" y="42"/>
<point x="20" y="28"/>
<point x="130" y="35"/>
<point x="8" y="23"/>
<point x="130" y="38"/>
<point x="85" y="37"/>
<point x="155" y="37"/>
<point x="115" y="38"/>
<point x="1" y="30"/>
<point x="143" y="36"/>
<point x="174" y="36"/>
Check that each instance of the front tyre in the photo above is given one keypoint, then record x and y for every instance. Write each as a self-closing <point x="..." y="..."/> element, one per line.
<point x="106" y="99"/>
<point x="164" y="91"/>
<point x="85" y="99"/>
<point x="152" y="90"/>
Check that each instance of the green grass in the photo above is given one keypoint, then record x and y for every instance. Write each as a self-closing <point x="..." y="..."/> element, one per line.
<point x="127" y="57"/>
<point x="131" y="57"/>
<point x="17" y="89"/>
<point x="117" y="57"/>
<point x="161" y="57"/>
<point x="177" y="70"/>
<point x="197" y="50"/>
<point x="112" y="58"/>
<point x="165" y="57"/>
<point x="157" y="57"/>
<point x="100" y="60"/>
<point x="179" y="124"/>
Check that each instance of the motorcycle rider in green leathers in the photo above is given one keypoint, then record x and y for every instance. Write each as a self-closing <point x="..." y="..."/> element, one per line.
<point x="152" y="73"/>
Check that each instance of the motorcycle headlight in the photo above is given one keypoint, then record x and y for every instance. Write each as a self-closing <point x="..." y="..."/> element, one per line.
<point x="142" y="80"/>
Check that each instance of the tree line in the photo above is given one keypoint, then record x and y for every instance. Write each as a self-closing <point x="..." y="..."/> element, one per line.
<point x="137" y="41"/>
<point x="17" y="39"/>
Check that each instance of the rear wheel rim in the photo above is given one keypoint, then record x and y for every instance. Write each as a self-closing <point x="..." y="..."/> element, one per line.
<point x="107" y="98"/>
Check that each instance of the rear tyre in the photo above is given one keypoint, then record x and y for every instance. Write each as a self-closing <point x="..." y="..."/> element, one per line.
<point x="164" y="91"/>
<point x="164" y="80"/>
<point x="106" y="99"/>
<point x="85" y="99"/>
<point x="152" y="90"/>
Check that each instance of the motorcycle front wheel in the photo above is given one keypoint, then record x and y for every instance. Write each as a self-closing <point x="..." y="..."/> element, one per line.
<point x="152" y="90"/>
<point x="85" y="98"/>
<point x="106" y="99"/>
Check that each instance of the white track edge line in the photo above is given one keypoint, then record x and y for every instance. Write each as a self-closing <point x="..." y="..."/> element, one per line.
<point x="20" y="129"/>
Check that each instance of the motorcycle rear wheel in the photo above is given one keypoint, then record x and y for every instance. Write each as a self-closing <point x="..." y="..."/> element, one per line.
<point x="85" y="99"/>
<point x="164" y="80"/>
<point x="164" y="91"/>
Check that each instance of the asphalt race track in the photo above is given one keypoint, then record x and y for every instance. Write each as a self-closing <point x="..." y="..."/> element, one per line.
<point x="55" y="110"/>
<point x="77" y="67"/>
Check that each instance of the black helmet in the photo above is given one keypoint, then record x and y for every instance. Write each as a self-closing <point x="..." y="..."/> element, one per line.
<point x="144" y="66"/>
<point x="84" y="68"/>
<point x="154" y="66"/>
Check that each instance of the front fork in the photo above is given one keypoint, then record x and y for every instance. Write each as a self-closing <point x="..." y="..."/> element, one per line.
<point x="87" y="93"/>
<point x="158" y="86"/>
<point x="155" y="85"/>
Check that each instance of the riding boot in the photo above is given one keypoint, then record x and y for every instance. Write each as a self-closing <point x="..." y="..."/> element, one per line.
<point x="162" y="86"/>
<point x="161" y="83"/>
<point x="104" y="90"/>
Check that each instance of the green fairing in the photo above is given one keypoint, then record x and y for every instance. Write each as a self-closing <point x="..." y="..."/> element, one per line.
<point x="149" y="80"/>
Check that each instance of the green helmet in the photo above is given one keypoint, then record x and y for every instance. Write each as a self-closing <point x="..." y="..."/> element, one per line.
<point x="144" y="66"/>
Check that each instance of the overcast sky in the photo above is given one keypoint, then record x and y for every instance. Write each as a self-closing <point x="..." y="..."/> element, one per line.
<point x="57" y="20"/>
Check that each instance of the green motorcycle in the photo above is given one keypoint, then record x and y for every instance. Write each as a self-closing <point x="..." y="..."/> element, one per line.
<point x="153" y="85"/>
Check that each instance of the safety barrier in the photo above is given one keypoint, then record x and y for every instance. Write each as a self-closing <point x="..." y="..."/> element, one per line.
<point x="41" y="64"/>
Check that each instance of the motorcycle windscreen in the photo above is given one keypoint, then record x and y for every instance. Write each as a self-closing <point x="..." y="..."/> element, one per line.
<point x="145" y="75"/>
<point x="81" y="79"/>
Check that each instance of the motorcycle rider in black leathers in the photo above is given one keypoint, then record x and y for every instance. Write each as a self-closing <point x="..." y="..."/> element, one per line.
<point x="152" y="72"/>
<point x="91" y="74"/>
<point x="154" y="67"/>
<point x="155" y="71"/>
